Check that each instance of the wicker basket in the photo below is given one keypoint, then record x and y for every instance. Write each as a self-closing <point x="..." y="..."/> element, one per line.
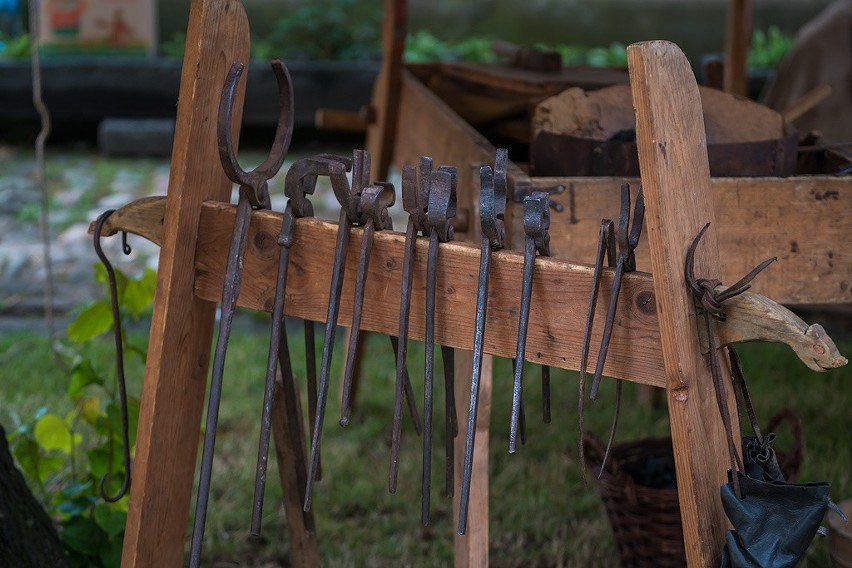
<point x="639" y="492"/>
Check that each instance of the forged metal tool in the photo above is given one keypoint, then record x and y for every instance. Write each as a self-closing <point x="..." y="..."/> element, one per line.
<point x="254" y="194"/>
<point x="627" y="239"/>
<point x="442" y="207"/>
<point x="375" y="201"/>
<point x="299" y="183"/>
<point x="349" y="199"/>
<point x="537" y="231"/>
<point x="492" y="208"/>
<point x="415" y="194"/>
<point x="301" y="180"/>
<point x="119" y="360"/>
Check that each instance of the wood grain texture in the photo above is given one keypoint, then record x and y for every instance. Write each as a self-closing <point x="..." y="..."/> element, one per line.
<point x="804" y="221"/>
<point x="304" y="546"/>
<point x="676" y="180"/>
<point x="386" y="89"/>
<point x="181" y="327"/>
<point x="560" y="292"/>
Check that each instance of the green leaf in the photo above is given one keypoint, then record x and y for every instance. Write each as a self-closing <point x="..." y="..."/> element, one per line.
<point x="139" y="293"/>
<point x="92" y="321"/>
<point x="82" y="375"/>
<point x="52" y="433"/>
<point x="27" y="453"/>
<point x="111" y="554"/>
<point x="72" y="508"/>
<point x="75" y="490"/>
<point x="82" y="534"/>
<point x="99" y="461"/>
<point x="111" y="521"/>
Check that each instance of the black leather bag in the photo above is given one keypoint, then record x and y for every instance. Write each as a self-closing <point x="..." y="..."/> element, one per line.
<point x="774" y="520"/>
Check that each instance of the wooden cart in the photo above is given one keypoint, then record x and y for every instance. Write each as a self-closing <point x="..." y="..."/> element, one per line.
<point x="658" y="347"/>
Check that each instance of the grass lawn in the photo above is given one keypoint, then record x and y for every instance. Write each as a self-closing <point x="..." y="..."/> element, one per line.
<point x="542" y="513"/>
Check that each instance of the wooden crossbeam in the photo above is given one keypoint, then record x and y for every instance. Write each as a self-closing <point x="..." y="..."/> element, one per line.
<point x="560" y="292"/>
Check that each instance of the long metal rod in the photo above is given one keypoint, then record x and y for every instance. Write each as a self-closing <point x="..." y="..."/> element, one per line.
<point x="311" y="380"/>
<point x="451" y="425"/>
<point x="343" y="230"/>
<point x="523" y="324"/>
<point x="229" y="303"/>
<point x="402" y="352"/>
<point x="429" y="374"/>
<point x="478" y="339"/>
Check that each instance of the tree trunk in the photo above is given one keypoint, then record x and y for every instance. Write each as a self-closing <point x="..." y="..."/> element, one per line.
<point x="27" y="535"/>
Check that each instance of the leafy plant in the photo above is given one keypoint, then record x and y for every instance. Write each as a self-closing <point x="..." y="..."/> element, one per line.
<point x="66" y="457"/>
<point x="768" y="48"/>
<point x="14" y="48"/>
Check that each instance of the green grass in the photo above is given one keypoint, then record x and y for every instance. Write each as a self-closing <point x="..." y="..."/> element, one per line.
<point x="541" y="512"/>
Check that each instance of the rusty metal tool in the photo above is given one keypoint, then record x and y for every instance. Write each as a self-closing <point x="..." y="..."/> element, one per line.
<point x="299" y="183"/>
<point x="301" y="180"/>
<point x="626" y="239"/>
<point x="442" y="199"/>
<point x="254" y="194"/>
<point x="492" y="209"/>
<point x="537" y="239"/>
<point x="375" y="200"/>
<point x="349" y="197"/>
<point x="415" y="194"/>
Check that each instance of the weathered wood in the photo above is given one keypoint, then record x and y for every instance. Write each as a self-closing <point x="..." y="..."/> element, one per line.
<point x="737" y="43"/>
<point x="386" y="89"/>
<point x="471" y="549"/>
<point x="560" y="292"/>
<point x="678" y="199"/>
<point x="804" y="221"/>
<point x="182" y="324"/>
<point x="304" y="547"/>
<point x="529" y="82"/>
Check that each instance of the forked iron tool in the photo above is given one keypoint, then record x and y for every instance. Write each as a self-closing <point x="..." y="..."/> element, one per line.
<point x="254" y="194"/>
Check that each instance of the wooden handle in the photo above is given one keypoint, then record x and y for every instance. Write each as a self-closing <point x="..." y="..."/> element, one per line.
<point x="341" y="120"/>
<point x="806" y="102"/>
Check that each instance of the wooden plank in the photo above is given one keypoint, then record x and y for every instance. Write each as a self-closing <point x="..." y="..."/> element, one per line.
<point x="471" y="548"/>
<point x="560" y="292"/>
<point x="804" y="221"/>
<point x="381" y="132"/>
<point x="304" y="547"/>
<point x="737" y="44"/>
<point x="182" y="324"/>
<point x="676" y="180"/>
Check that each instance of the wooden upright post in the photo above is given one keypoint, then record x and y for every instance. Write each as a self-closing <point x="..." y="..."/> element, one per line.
<point x="182" y="325"/>
<point x="737" y="43"/>
<point x="676" y="180"/>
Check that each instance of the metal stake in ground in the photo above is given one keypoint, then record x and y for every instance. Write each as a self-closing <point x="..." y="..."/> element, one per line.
<point x="537" y="231"/>
<point x="492" y="208"/>
<point x="254" y="194"/>
<point x="442" y="207"/>
<point x="300" y="182"/>
<point x="415" y="194"/>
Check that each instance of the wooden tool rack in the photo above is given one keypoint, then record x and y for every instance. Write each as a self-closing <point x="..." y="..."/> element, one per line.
<point x="655" y="341"/>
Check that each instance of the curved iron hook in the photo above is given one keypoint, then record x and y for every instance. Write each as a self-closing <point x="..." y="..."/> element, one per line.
<point x="119" y="359"/>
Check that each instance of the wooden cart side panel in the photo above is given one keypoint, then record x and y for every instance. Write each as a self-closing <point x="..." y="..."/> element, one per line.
<point x="676" y="180"/>
<point x="181" y="327"/>
<point x="804" y="221"/>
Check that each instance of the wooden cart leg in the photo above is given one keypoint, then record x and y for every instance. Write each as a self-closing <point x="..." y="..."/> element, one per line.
<point x="182" y="325"/>
<point x="678" y="198"/>
<point x="304" y="547"/>
<point x="471" y="549"/>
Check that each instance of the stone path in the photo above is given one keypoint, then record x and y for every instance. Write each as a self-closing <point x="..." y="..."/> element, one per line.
<point x="82" y="186"/>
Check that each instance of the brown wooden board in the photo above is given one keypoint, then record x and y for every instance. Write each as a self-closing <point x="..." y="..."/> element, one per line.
<point x="182" y="324"/>
<point x="560" y="292"/>
<point x="678" y="198"/>
<point x="805" y="221"/>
